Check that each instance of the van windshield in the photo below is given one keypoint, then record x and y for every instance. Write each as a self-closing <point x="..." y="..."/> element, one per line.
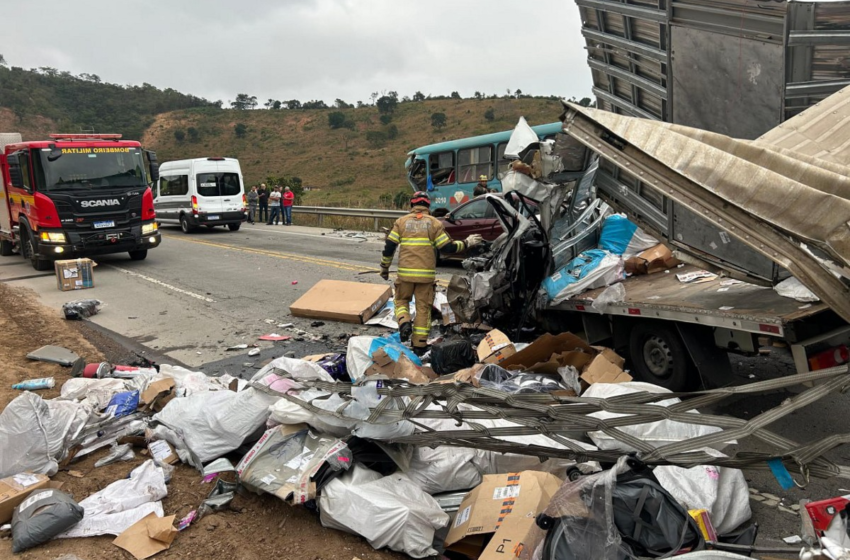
<point x="218" y="184"/>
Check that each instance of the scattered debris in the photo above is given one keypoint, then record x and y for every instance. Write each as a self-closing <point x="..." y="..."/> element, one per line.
<point x="274" y="337"/>
<point x="54" y="355"/>
<point x="35" y="384"/>
<point x="148" y="536"/>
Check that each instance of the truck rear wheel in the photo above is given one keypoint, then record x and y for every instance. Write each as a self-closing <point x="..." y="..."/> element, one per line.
<point x="185" y="225"/>
<point x="659" y="356"/>
<point x="139" y="255"/>
<point x="234" y="227"/>
<point x="6" y="248"/>
<point x="30" y="253"/>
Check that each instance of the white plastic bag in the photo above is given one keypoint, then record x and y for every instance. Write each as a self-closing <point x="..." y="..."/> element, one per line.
<point x="358" y="358"/>
<point x="213" y="423"/>
<point x="388" y="511"/>
<point x="94" y="392"/>
<point x="444" y="469"/>
<point x="654" y="433"/>
<point x="720" y="490"/>
<point x="794" y="289"/>
<point x="122" y="503"/>
<point x="611" y="294"/>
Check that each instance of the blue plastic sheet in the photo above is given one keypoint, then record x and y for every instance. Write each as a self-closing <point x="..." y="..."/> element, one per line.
<point x="394" y="348"/>
<point x="617" y="233"/>
<point x="123" y="404"/>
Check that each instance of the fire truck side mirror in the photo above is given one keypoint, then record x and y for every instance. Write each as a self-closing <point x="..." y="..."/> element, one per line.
<point x="154" y="165"/>
<point x="15" y="174"/>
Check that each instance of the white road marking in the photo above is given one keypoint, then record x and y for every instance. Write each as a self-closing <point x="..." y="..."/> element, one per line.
<point x="163" y="284"/>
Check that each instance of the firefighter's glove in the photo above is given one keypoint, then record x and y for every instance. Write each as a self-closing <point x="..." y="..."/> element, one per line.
<point x="473" y="240"/>
<point x="385" y="272"/>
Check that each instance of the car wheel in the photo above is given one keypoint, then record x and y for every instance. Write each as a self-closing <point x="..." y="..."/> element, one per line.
<point x="139" y="255"/>
<point x="6" y="248"/>
<point x="659" y="356"/>
<point x="185" y="225"/>
<point x="234" y="227"/>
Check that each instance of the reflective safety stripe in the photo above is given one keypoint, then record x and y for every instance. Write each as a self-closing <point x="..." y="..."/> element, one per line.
<point x="421" y="332"/>
<point x="386" y="260"/>
<point x="416" y="272"/>
<point x="399" y="311"/>
<point x="393" y="236"/>
<point x="442" y="241"/>
<point x="460" y="246"/>
<point x="415" y="243"/>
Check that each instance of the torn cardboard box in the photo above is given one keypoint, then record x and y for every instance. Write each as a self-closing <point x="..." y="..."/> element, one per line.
<point x="148" y="536"/>
<point x="495" y="517"/>
<point x="404" y="368"/>
<point x="162" y="452"/>
<point x="157" y="394"/>
<point x="348" y="302"/>
<point x="15" y="489"/>
<point x="656" y="259"/>
<point x="495" y="348"/>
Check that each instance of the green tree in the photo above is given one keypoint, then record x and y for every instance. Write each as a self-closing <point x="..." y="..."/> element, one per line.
<point x="3" y="61"/>
<point x="386" y="104"/>
<point x="292" y="104"/>
<point x="518" y="93"/>
<point x="419" y="96"/>
<point x="276" y="105"/>
<point x="269" y="104"/>
<point x="376" y="138"/>
<point x="455" y="95"/>
<point x="340" y="104"/>
<point x="319" y="104"/>
<point x="179" y="135"/>
<point x="240" y="130"/>
<point x="478" y="95"/>
<point x="438" y="120"/>
<point x="392" y="132"/>
<point x="244" y="102"/>
<point x="386" y="119"/>
<point x="585" y="102"/>
<point x="490" y="114"/>
<point x="336" y="120"/>
<point x="194" y="135"/>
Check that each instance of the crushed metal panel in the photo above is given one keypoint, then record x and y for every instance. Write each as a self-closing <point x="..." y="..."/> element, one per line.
<point x="763" y="208"/>
<point x="729" y="86"/>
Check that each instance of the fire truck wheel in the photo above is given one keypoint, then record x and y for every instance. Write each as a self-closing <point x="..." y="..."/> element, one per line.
<point x="5" y="248"/>
<point x="29" y="253"/>
<point x="139" y="255"/>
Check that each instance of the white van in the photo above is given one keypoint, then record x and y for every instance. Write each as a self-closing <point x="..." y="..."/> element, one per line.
<point x="201" y="192"/>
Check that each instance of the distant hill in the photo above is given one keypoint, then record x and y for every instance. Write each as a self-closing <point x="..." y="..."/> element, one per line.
<point x="43" y="100"/>
<point x="351" y="166"/>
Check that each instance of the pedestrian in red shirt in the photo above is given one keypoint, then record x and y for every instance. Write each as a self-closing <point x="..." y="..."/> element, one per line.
<point x="288" y="201"/>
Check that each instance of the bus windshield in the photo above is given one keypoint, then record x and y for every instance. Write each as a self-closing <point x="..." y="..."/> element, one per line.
<point x="450" y="170"/>
<point x="88" y="168"/>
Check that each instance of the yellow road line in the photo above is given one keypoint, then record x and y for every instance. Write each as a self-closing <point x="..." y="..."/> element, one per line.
<point x="288" y="256"/>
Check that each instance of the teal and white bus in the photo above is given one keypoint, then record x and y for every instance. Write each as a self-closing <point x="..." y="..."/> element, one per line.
<point x="450" y="170"/>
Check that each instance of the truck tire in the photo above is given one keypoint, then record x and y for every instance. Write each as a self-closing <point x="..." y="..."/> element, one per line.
<point x="659" y="356"/>
<point x="6" y="248"/>
<point x="29" y="253"/>
<point x="139" y="255"/>
<point x="234" y="227"/>
<point x="185" y="225"/>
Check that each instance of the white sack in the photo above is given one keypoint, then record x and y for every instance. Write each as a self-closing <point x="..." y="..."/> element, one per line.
<point x="721" y="491"/>
<point x="122" y="503"/>
<point x="298" y="370"/>
<point x="515" y="181"/>
<point x="358" y="358"/>
<point x="794" y="289"/>
<point x="521" y="138"/>
<point x="444" y="469"/>
<point x="214" y="423"/>
<point x="34" y="433"/>
<point x="388" y="511"/>
<point x="190" y="382"/>
<point x="654" y="433"/>
<point x="94" y="392"/>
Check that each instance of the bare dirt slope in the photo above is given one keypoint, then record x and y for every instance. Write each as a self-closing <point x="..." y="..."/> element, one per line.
<point x="259" y="527"/>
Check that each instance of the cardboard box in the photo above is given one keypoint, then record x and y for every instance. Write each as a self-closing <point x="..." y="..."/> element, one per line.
<point x="449" y="317"/>
<point x="404" y="368"/>
<point x="76" y="274"/>
<point x="15" y="489"/>
<point x="348" y="302"/>
<point x="162" y="451"/>
<point x="504" y="506"/>
<point x="656" y="259"/>
<point x="549" y="350"/>
<point x="602" y="370"/>
<point x="157" y="394"/>
<point x="495" y="348"/>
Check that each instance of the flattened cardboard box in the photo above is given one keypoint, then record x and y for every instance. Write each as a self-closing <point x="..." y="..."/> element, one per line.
<point x="348" y="302"/>
<point x="495" y="348"/>
<point x="75" y="274"/>
<point x="504" y="505"/>
<point x="15" y="489"/>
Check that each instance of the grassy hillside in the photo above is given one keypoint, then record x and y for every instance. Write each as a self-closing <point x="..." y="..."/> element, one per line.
<point x="351" y="166"/>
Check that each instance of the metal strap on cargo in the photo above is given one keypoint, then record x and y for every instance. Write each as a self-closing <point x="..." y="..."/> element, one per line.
<point x="561" y="417"/>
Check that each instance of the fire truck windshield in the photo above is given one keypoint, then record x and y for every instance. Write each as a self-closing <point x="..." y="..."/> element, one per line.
<point x="88" y="168"/>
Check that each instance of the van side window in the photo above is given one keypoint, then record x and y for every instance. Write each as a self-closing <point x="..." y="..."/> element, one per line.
<point x="174" y="185"/>
<point x="474" y="162"/>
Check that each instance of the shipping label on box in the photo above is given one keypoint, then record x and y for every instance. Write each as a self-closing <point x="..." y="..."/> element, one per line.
<point x="15" y="489"/>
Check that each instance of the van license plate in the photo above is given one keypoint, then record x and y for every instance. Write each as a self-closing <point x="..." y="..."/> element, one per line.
<point x="212" y="217"/>
<point x="106" y="224"/>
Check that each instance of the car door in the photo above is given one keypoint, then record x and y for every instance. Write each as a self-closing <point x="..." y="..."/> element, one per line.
<point x="471" y="218"/>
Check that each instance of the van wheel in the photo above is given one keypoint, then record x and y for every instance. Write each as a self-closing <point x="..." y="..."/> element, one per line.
<point x="6" y="248"/>
<point x="139" y="255"/>
<point x="185" y="225"/>
<point x="30" y="253"/>
<point x="234" y="227"/>
<point x="659" y="356"/>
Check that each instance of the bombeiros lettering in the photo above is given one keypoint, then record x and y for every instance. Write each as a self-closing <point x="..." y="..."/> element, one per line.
<point x="98" y="203"/>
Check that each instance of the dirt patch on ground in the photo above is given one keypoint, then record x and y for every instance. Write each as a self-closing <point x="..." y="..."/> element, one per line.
<point x="257" y="527"/>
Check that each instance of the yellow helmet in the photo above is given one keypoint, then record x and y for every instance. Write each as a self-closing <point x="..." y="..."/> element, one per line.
<point x="482" y="178"/>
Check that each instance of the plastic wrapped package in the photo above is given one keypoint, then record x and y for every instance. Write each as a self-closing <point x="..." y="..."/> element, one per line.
<point x="389" y="511"/>
<point x="122" y="503"/>
<point x="655" y="433"/>
<point x="81" y="309"/>
<point x="445" y="469"/>
<point x="452" y="356"/>
<point x="610" y="295"/>
<point x="34" y="433"/>
<point x="722" y="491"/>
<point x="42" y="516"/>
<point x="122" y="404"/>
<point x="211" y="424"/>
<point x="190" y="382"/>
<point x="591" y="269"/>
<point x="622" y="237"/>
<point x="292" y="368"/>
<point x="794" y="289"/>
<point x="360" y="350"/>
<point x="495" y="377"/>
<point x="94" y="392"/>
<point x="117" y="453"/>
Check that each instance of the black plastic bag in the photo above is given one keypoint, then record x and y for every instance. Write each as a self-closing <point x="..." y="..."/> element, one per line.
<point x="452" y="356"/>
<point x="81" y="309"/>
<point x="42" y="516"/>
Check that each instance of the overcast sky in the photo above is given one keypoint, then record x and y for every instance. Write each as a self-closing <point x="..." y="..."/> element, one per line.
<point x="308" y="49"/>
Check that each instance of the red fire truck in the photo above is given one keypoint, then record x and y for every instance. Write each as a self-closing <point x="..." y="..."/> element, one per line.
<point x="76" y="195"/>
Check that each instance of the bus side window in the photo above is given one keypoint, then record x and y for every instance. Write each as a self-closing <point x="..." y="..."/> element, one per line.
<point x="474" y="162"/>
<point x="443" y="168"/>
<point x="504" y="164"/>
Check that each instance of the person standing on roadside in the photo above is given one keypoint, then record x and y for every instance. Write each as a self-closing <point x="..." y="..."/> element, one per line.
<point x="274" y="207"/>
<point x="264" y="202"/>
<point x="287" y="201"/>
<point x="253" y="200"/>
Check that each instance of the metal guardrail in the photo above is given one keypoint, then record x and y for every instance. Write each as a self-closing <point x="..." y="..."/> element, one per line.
<point x="374" y="213"/>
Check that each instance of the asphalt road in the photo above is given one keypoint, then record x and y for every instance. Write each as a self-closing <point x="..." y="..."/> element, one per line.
<point x="200" y="293"/>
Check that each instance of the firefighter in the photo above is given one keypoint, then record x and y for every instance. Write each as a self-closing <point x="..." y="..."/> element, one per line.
<point x="481" y="187"/>
<point x="419" y="234"/>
